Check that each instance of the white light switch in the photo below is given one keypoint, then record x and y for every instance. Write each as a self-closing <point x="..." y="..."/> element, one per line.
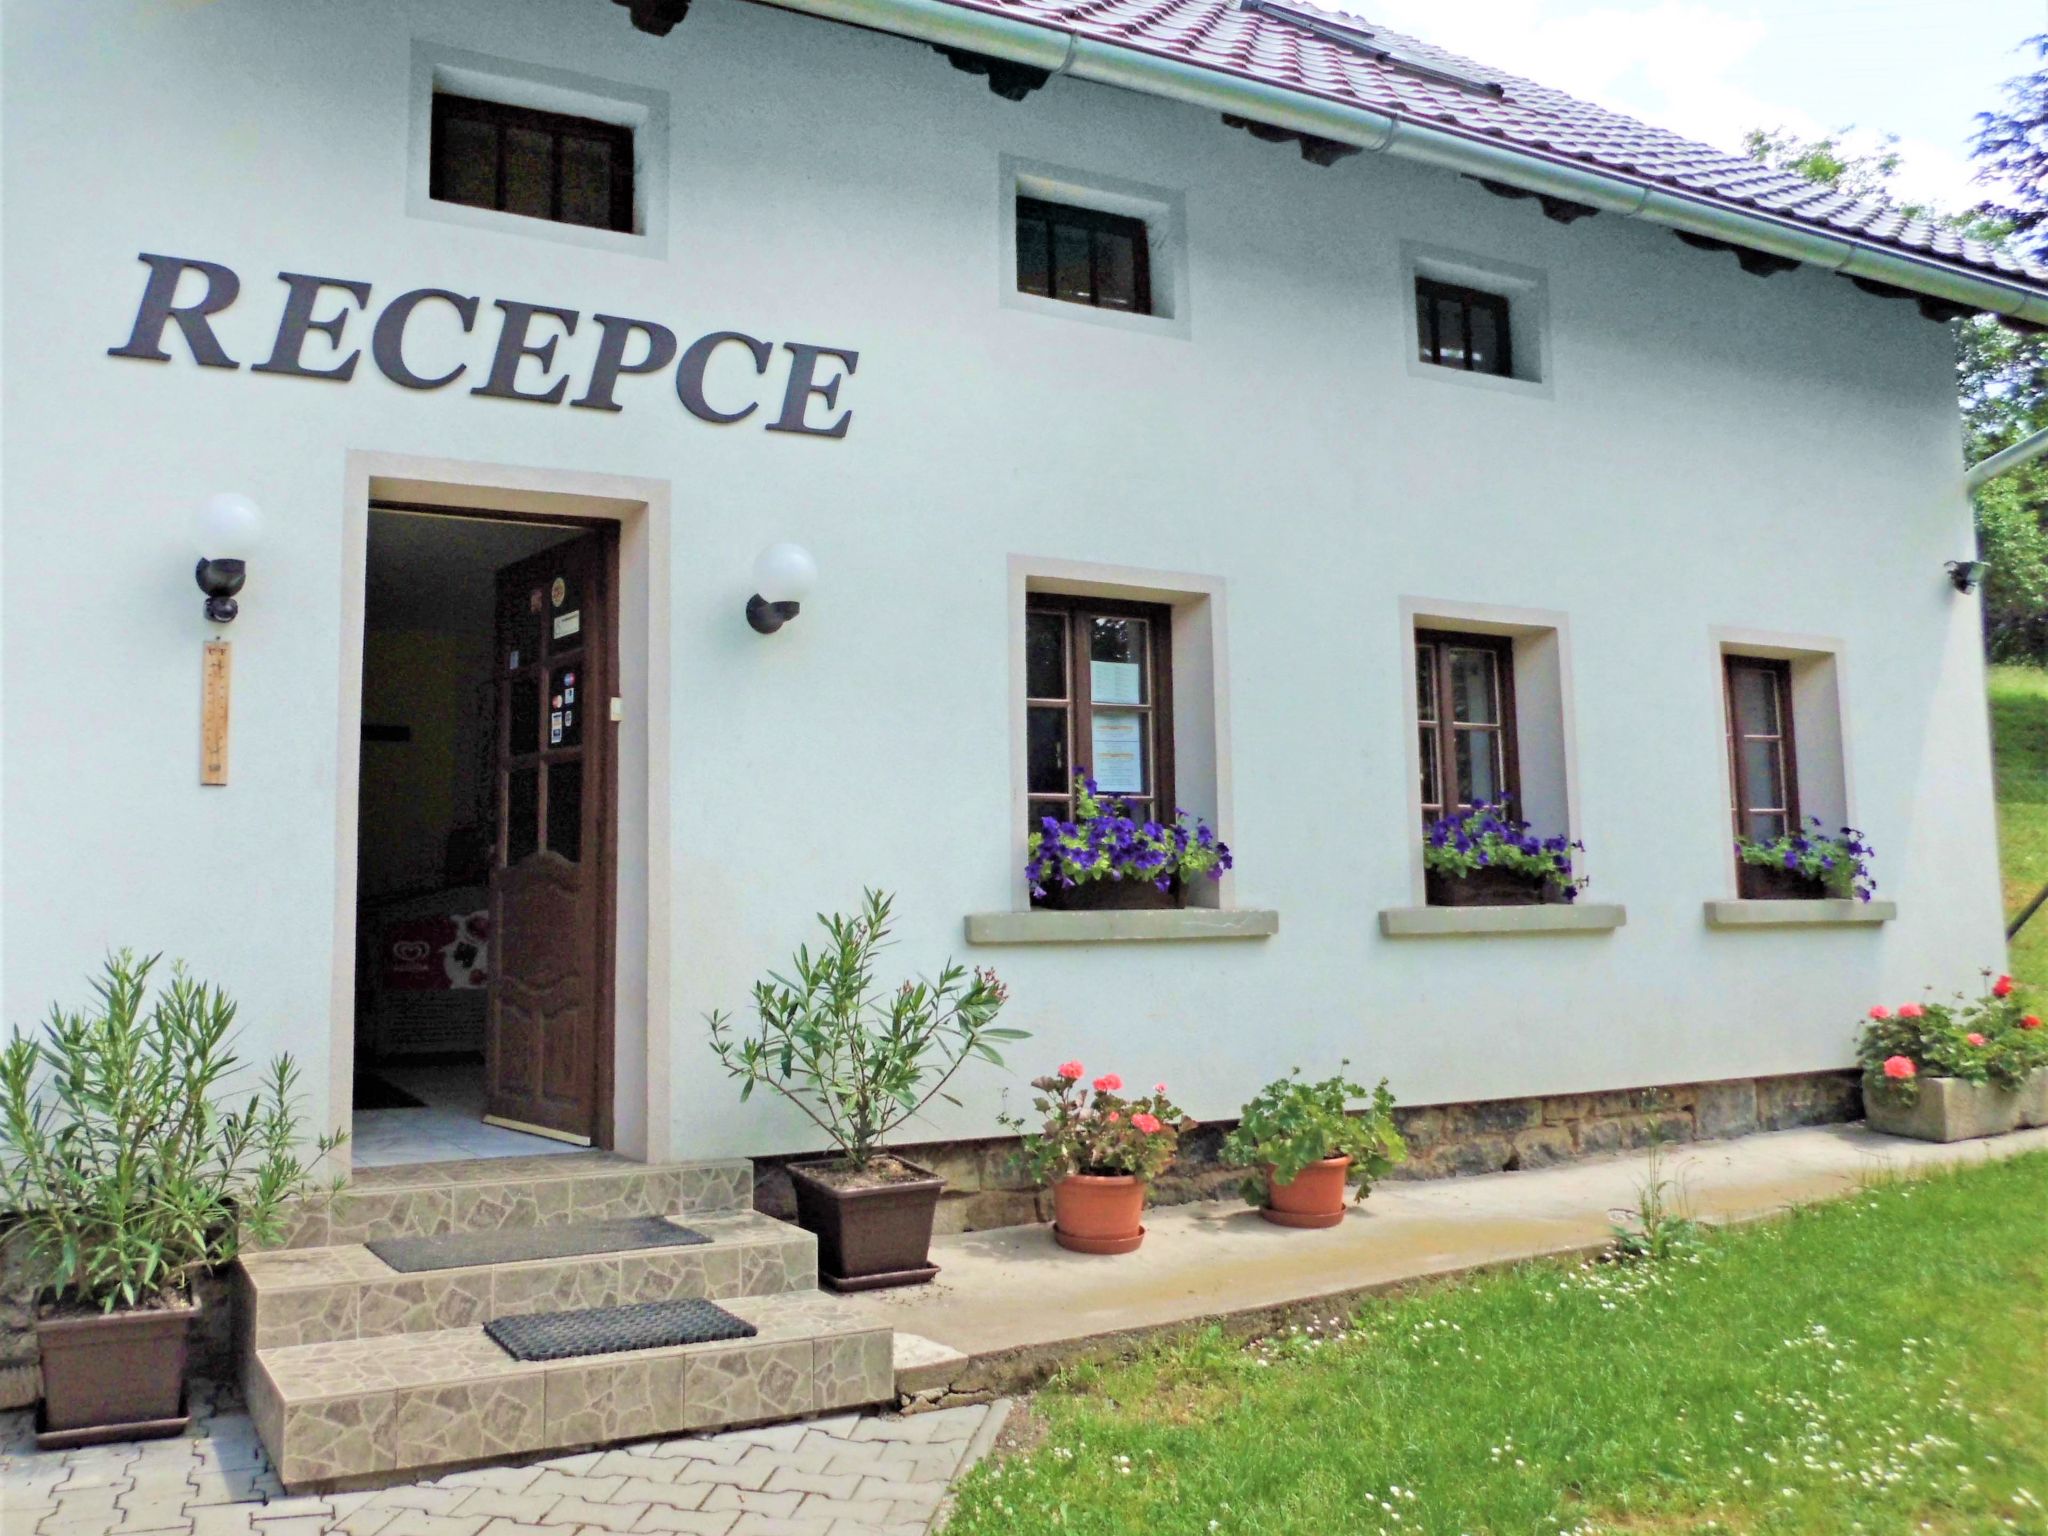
<point x="618" y="708"/>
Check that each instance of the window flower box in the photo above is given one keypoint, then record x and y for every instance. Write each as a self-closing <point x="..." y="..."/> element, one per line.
<point x="1107" y="859"/>
<point x="1765" y="882"/>
<point x="1110" y="896"/>
<point x="1805" y="864"/>
<point x="1482" y="857"/>
<point x="1487" y="888"/>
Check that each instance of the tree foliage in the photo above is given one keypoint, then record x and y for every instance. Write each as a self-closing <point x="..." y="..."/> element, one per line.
<point x="2012" y="144"/>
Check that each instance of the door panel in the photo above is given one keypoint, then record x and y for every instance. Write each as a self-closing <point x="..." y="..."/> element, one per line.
<point x="550" y="877"/>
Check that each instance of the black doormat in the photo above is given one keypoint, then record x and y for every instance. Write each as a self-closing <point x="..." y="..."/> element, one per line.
<point x="460" y="1250"/>
<point x="614" y="1330"/>
<point x="374" y="1092"/>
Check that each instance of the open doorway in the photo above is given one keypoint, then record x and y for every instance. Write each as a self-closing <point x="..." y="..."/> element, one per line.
<point x="484" y="838"/>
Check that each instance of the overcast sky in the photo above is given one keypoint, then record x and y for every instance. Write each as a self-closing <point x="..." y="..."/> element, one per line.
<point x="1711" y="69"/>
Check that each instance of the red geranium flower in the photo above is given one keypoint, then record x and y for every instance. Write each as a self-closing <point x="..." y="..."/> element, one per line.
<point x="1880" y="1012"/>
<point x="1071" y="1071"/>
<point x="2031" y="1021"/>
<point x="1974" y="1038"/>
<point x="2002" y="987"/>
<point x="1899" y="1066"/>
<point x="1910" y="1010"/>
<point x="1109" y="1082"/>
<point x="1149" y="1124"/>
<point x="1113" y="1117"/>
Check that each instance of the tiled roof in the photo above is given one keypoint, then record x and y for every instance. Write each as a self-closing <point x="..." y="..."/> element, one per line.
<point x="1219" y="35"/>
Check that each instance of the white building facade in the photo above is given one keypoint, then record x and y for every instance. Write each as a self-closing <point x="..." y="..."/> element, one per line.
<point x="229" y="266"/>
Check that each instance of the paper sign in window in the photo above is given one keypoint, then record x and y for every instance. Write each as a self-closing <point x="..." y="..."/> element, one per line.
<point x="1115" y="682"/>
<point x="1119" y="761"/>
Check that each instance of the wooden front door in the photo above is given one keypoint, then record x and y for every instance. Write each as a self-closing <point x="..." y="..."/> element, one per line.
<point x="550" y="994"/>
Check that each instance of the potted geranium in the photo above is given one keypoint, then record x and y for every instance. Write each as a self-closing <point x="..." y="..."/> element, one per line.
<point x="1805" y="864"/>
<point x="1948" y="1072"/>
<point x="1105" y="857"/>
<point x="1483" y="857"/>
<point x="1305" y="1145"/>
<point x="1100" y="1151"/>
<point x="133" y="1162"/>
<point x="859" y="1062"/>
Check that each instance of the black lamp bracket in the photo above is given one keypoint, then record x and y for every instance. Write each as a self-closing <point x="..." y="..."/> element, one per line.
<point x="767" y="617"/>
<point x="220" y="580"/>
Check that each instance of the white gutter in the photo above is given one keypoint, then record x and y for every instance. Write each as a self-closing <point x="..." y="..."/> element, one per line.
<point x="2025" y="451"/>
<point x="1059" y="51"/>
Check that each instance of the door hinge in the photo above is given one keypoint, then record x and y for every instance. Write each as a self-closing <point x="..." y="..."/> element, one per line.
<point x="618" y="709"/>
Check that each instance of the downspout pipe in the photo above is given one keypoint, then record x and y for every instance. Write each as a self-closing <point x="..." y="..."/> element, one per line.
<point x="2006" y="460"/>
<point x="1060" y="51"/>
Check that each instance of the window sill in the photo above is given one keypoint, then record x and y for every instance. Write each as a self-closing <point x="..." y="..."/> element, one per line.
<point x="1829" y="913"/>
<point x="1118" y="927"/>
<point x="1433" y="922"/>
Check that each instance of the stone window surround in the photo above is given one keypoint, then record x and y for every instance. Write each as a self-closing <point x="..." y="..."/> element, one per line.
<point x="1163" y="211"/>
<point x="516" y="83"/>
<point x="1201" y="741"/>
<point x="1527" y="291"/>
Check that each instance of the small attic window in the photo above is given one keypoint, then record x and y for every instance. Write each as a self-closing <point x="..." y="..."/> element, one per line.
<point x="1363" y="40"/>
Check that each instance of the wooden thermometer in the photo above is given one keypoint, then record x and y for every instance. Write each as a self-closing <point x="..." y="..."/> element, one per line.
<point x="216" y="666"/>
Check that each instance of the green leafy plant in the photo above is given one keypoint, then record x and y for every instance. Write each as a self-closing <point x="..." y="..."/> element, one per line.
<point x="1487" y="837"/>
<point x="1660" y="1225"/>
<point x="125" y="1153"/>
<point x="1291" y="1123"/>
<point x="1987" y="1039"/>
<point x="856" y="1061"/>
<point x="1841" y="862"/>
<point x="1095" y="1129"/>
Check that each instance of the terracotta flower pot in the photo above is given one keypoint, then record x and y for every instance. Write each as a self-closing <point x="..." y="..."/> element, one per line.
<point x="1099" y="1213"/>
<point x="1314" y="1199"/>
<point x="117" y="1376"/>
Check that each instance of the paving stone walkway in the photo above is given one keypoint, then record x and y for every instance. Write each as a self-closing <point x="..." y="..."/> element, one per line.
<point x="850" y="1475"/>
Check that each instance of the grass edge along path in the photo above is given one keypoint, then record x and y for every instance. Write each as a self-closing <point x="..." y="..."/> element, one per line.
<point x="1865" y="1366"/>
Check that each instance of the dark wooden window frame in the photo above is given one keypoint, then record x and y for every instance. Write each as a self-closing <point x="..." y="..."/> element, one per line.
<point x="1430" y="339"/>
<point x="1441" y="642"/>
<point x="1780" y="673"/>
<point x="558" y="126"/>
<point x="1095" y="221"/>
<point x="1080" y="710"/>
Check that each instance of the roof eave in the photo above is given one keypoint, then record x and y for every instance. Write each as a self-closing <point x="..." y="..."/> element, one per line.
<point x="1042" y="45"/>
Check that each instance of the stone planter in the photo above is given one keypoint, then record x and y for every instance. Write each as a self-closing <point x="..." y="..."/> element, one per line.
<point x="1772" y="882"/>
<point x="1947" y="1109"/>
<point x="870" y="1237"/>
<point x="1099" y="1213"/>
<point x="1487" y="888"/>
<point x="1315" y="1198"/>
<point x="2034" y="1098"/>
<point x="115" y="1376"/>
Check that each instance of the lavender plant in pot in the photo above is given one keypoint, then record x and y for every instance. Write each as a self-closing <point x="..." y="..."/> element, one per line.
<point x="1106" y="858"/>
<point x="1807" y="863"/>
<point x="1483" y="857"/>
<point x="859" y="1062"/>
<point x="131" y="1161"/>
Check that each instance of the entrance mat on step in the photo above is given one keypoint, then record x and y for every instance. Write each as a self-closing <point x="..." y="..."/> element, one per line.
<point x="460" y="1250"/>
<point x="613" y="1330"/>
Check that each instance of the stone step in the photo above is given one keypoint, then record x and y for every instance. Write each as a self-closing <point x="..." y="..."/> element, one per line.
<point x="293" y="1296"/>
<point x="488" y="1194"/>
<point x="361" y="1411"/>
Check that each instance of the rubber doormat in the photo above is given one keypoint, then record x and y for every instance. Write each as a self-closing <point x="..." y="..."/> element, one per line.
<point x="614" y="1330"/>
<point x="461" y="1250"/>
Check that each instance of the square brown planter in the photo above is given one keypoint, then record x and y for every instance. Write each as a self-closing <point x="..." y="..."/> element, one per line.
<point x="1487" y="888"/>
<point x="872" y="1237"/>
<point x="1109" y="896"/>
<point x="1773" y="882"/>
<point x="114" y="1376"/>
<point x="1944" y="1109"/>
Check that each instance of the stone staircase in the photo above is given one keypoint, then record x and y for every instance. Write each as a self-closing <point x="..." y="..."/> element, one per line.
<point x="356" y="1373"/>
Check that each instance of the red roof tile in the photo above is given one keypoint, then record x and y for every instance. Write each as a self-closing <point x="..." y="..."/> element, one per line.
<point x="1219" y="35"/>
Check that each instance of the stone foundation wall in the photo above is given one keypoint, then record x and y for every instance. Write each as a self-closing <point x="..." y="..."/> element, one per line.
<point x="986" y="1185"/>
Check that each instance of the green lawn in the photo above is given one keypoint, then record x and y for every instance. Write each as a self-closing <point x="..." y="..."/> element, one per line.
<point x="2019" y="727"/>
<point x="1872" y="1366"/>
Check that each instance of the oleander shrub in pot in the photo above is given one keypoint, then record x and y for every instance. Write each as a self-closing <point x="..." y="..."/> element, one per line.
<point x="134" y="1156"/>
<point x="1304" y="1145"/>
<point x="1483" y="857"/>
<point x="1807" y="863"/>
<point x="1100" y="1150"/>
<point x="1950" y="1071"/>
<point x="860" y="1061"/>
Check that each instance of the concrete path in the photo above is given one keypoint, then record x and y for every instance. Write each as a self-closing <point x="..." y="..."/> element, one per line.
<point x="852" y="1475"/>
<point x="1009" y="1305"/>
